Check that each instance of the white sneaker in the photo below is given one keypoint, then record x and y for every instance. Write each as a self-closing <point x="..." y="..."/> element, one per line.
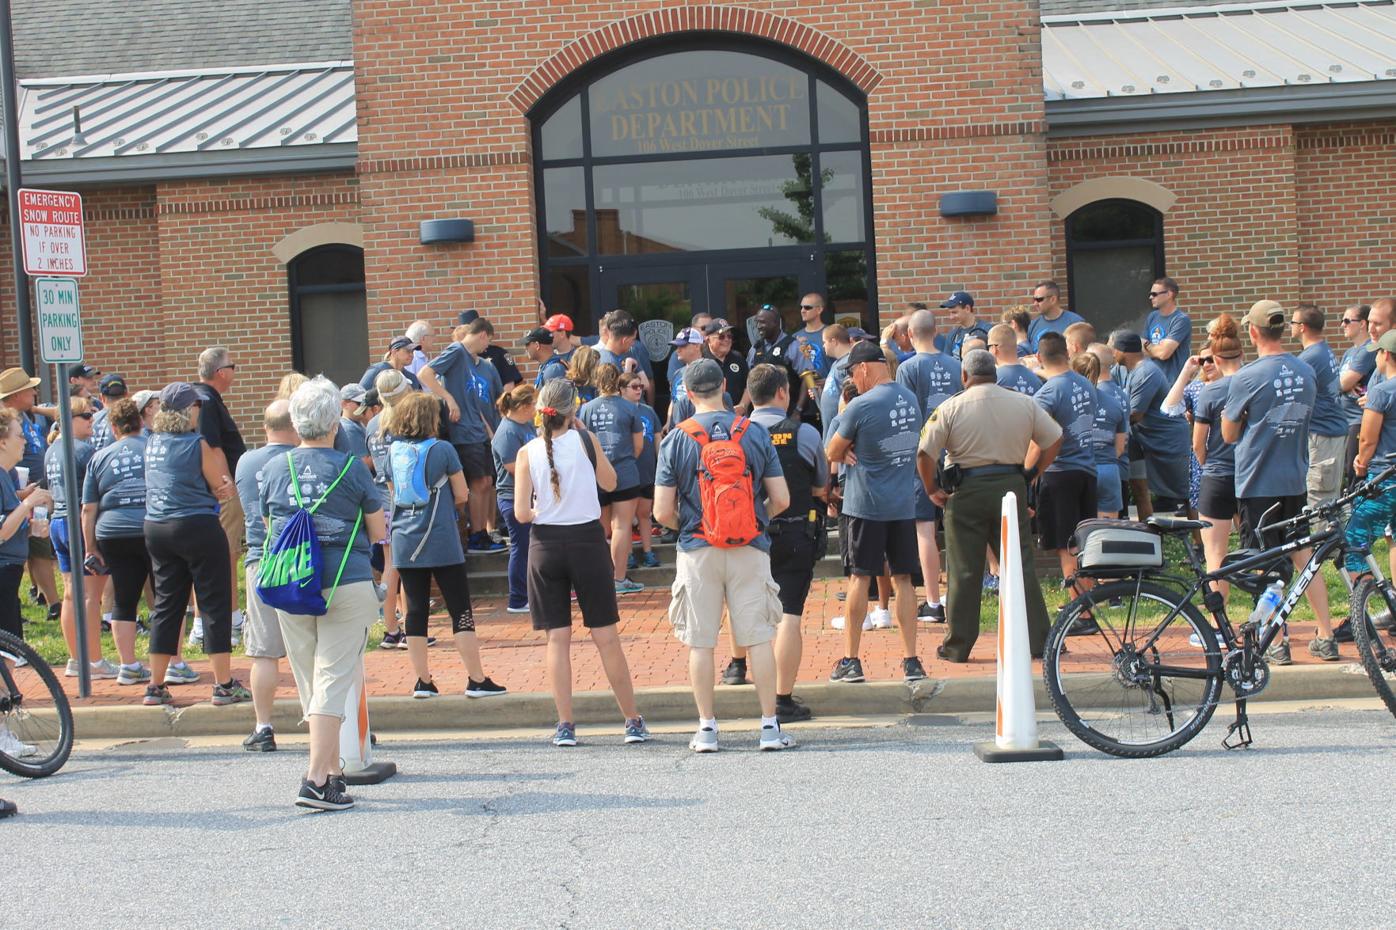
<point x="239" y="618"/>
<point x="1195" y="640"/>
<point x="879" y="619"/>
<point x="705" y="740"/>
<point x="196" y="633"/>
<point x="773" y="738"/>
<point x="836" y="622"/>
<point x="13" y="747"/>
<point x="72" y="670"/>
<point x="102" y="669"/>
<point x="517" y="610"/>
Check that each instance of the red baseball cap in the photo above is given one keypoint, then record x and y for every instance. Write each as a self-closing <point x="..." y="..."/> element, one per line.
<point x="559" y="323"/>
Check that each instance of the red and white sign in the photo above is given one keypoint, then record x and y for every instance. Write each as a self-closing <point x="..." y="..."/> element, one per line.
<point x="54" y="241"/>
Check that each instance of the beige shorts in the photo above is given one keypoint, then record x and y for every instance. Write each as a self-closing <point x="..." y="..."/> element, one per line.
<point x="326" y="651"/>
<point x="234" y="523"/>
<point x="261" y="631"/>
<point x="707" y="580"/>
<point x="1326" y="467"/>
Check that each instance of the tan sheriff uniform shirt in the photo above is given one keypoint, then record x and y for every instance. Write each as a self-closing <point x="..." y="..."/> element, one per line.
<point x="988" y="425"/>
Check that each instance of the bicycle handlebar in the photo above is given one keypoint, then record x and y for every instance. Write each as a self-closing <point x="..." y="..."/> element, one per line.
<point x="1368" y="488"/>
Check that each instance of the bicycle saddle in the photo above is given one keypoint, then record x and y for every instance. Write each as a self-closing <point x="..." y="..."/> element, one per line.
<point x="1175" y="524"/>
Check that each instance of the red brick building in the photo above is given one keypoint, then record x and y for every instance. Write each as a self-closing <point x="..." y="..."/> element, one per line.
<point x="257" y="173"/>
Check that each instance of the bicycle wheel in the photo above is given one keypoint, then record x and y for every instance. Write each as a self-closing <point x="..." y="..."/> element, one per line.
<point x="1135" y="687"/>
<point x="1372" y="604"/>
<point x="36" y="723"/>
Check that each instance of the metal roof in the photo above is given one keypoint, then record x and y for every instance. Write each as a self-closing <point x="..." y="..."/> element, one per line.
<point x="1182" y="50"/>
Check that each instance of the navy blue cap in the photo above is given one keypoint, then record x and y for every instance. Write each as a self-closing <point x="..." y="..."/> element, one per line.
<point x="178" y="395"/>
<point x="113" y="385"/>
<point x="958" y="299"/>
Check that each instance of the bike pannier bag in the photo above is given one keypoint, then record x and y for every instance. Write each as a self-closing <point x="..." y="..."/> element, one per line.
<point x="1116" y="546"/>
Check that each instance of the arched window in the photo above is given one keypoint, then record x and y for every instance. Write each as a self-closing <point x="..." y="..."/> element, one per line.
<point x="329" y="312"/>
<point x="1114" y="252"/>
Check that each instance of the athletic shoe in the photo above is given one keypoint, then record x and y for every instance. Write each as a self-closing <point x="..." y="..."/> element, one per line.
<point x="649" y="560"/>
<point x="847" y="670"/>
<point x="396" y="640"/>
<point x="72" y="670"/>
<point x="879" y="619"/>
<point x="7" y="809"/>
<point x="499" y="536"/>
<point x="486" y="688"/>
<point x="1278" y="653"/>
<point x="142" y="628"/>
<point x="327" y="797"/>
<point x="424" y="689"/>
<point x="792" y="710"/>
<point x="1196" y="641"/>
<point x="705" y="740"/>
<point x="565" y="735"/>
<point x="636" y="731"/>
<point x="735" y="672"/>
<point x="380" y="591"/>
<point x="1324" y="648"/>
<point x="930" y="613"/>
<point x="102" y="669"/>
<point x="196" y="633"/>
<point x="263" y="740"/>
<point x="626" y="586"/>
<point x="239" y="618"/>
<point x="517" y="610"/>
<point x="1342" y="633"/>
<point x="774" y="739"/>
<point x="631" y="563"/>
<point x="1083" y="626"/>
<point x="179" y="673"/>
<point x="837" y="622"/>
<point x="913" y="670"/>
<point x="156" y="695"/>
<point x="15" y="748"/>
<point x="55" y="611"/>
<point x="106" y="624"/>
<point x="231" y="693"/>
<point x="991" y="583"/>
<point x="481" y="542"/>
<point x="136" y="674"/>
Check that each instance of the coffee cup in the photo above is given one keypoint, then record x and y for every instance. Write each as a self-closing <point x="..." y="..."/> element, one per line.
<point x="21" y="475"/>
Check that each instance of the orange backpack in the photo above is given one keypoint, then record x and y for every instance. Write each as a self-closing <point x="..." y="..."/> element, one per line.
<point x="724" y="487"/>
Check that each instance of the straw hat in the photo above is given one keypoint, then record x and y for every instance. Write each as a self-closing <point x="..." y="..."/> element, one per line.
<point x="14" y="380"/>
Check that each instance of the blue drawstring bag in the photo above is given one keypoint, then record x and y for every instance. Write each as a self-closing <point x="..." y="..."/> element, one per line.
<point x="289" y="576"/>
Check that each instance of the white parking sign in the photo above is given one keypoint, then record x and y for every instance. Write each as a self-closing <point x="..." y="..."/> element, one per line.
<point x="60" y="320"/>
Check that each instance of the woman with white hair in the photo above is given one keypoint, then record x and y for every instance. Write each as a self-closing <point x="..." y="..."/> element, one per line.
<point x="325" y="650"/>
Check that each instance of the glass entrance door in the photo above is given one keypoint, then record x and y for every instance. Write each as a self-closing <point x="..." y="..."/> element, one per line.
<point x="738" y="290"/>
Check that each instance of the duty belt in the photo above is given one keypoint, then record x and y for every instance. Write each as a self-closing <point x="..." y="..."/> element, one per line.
<point x="983" y="471"/>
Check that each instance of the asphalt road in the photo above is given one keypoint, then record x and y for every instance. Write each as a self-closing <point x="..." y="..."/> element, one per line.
<point x="892" y="826"/>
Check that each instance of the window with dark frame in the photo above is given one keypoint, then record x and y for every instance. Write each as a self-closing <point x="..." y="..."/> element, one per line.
<point x="1114" y="253"/>
<point x="329" y="312"/>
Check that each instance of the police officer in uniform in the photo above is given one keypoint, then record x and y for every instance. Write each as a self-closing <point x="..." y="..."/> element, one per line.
<point x="985" y="433"/>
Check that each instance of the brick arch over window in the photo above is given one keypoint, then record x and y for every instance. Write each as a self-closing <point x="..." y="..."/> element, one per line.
<point x="1119" y="187"/>
<point x="695" y="19"/>
<point x="309" y="237"/>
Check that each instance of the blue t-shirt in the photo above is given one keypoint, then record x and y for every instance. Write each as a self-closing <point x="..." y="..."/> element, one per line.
<point x="829" y="397"/>
<point x="679" y="456"/>
<point x="1040" y="325"/>
<point x="553" y="368"/>
<point x="351" y="438"/>
<point x="53" y="472"/>
<point x="883" y="425"/>
<point x="1072" y="402"/>
<point x="377" y="368"/>
<point x="249" y="479"/>
<point x="1176" y="326"/>
<point x="1221" y="455"/>
<point x="1018" y="378"/>
<point x="649" y="456"/>
<point x="116" y="484"/>
<point x="174" y="478"/>
<point x="1329" y="418"/>
<point x="1158" y="433"/>
<point x="35" y="430"/>
<point x="932" y="378"/>
<point x="456" y="369"/>
<point x="1362" y="360"/>
<point x="642" y="358"/>
<point x="378" y="442"/>
<point x="812" y="348"/>
<point x="955" y="339"/>
<point x="1382" y="399"/>
<point x="1121" y="396"/>
<point x="615" y="421"/>
<point x="101" y="429"/>
<point x="316" y="470"/>
<point x="410" y="524"/>
<point x="1111" y="419"/>
<point x="1273" y="398"/>
<point x="508" y="440"/>
<point x="15" y="550"/>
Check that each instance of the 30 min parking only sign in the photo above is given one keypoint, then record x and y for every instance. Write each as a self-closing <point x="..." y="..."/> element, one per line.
<point x="60" y="320"/>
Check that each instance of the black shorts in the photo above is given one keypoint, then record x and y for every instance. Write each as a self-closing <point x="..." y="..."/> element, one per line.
<point x="475" y="460"/>
<point x="563" y="559"/>
<point x="1217" y="497"/>
<point x="647" y="491"/>
<point x="618" y="496"/>
<point x="1252" y="509"/>
<point x="1064" y="499"/>
<point x="878" y="545"/>
<point x="793" y="555"/>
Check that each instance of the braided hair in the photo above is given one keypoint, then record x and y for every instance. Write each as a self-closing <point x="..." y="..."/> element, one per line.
<point x="557" y="404"/>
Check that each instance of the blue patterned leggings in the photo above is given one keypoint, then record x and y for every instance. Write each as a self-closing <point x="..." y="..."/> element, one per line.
<point x="1369" y="520"/>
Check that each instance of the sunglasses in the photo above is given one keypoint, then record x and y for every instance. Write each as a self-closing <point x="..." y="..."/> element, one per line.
<point x="1205" y="359"/>
<point x="83" y="416"/>
<point x="635" y="386"/>
<point x="229" y="367"/>
<point x="1038" y="300"/>
<point x="1296" y="323"/>
<point x="1347" y="322"/>
<point x="1158" y="293"/>
<point x="810" y="307"/>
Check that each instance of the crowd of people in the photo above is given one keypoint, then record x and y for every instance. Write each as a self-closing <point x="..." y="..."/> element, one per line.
<point x="444" y="450"/>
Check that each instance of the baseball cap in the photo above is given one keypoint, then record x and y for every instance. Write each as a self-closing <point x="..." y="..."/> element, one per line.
<point x="142" y="399"/>
<point x="702" y="376"/>
<point x="178" y="395"/>
<point x="559" y="323"/>
<point x="718" y="325"/>
<point x="865" y="352"/>
<point x="958" y="299"/>
<point x="402" y="342"/>
<point x="539" y="335"/>
<point x="1126" y="340"/>
<point x="1266" y="314"/>
<point x="370" y="399"/>
<point x="83" y="371"/>
<point x="354" y="393"/>
<point x="466" y="317"/>
<point x="113" y="385"/>
<point x="1387" y="342"/>
<point x="688" y="336"/>
<point x="859" y="334"/>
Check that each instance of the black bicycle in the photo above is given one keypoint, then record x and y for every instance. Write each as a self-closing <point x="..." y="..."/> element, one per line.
<point x="36" y="723"/>
<point x="1166" y="664"/>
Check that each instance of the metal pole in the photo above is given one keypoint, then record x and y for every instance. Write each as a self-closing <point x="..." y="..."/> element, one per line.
<point x="10" y="105"/>
<point x="72" y="496"/>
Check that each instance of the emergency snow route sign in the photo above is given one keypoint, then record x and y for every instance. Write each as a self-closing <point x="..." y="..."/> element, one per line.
<point x="54" y="240"/>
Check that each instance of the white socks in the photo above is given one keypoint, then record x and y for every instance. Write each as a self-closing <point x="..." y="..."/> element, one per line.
<point x="770" y="722"/>
<point x="708" y="724"/>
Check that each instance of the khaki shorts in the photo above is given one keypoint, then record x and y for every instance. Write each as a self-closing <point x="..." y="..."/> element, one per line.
<point x="234" y="523"/>
<point x="326" y="651"/>
<point x="1326" y="467"/>
<point x="707" y="580"/>
<point x="261" y="631"/>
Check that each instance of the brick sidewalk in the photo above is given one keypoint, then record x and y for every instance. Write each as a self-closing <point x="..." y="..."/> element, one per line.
<point x="514" y="653"/>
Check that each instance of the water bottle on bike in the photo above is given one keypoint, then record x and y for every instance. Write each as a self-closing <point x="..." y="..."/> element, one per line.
<point x="1267" y="605"/>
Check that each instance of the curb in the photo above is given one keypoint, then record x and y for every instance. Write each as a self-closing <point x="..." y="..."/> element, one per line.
<point x="457" y="712"/>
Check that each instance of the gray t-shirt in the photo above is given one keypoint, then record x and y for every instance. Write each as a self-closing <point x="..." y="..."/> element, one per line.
<point x="829" y="397"/>
<point x="1110" y="420"/>
<point x="1121" y="396"/>
<point x="1273" y="399"/>
<point x="883" y="426"/>
<point x="116" y="484"/>
<point x="174" y="478"/>
<point x="378" y="442"/>
<point x="1221" y="455"/>
<point x="434" y="521"/>
<point x="15" y="550"/>
<point x="812" y="348"/>
<point x="1362" y="360"/>
<point x="642" y="358"/>
<point x="649" y="456"/>
<point x="1072" y="402"/>
<point x="1176" y="326"/>
<point x="249" y="479"/>
<point x="461" y="375"/>
<point x="1158" y="433"/>
<point x="351" y="438"/>
<point x="1329" y="418"/>
<point x="316" y="470"/>
<point x="53" y="471"/>
<point x="1018" y="378"/>
<point x="101" y="430"/>
<point x="1382" y="399"/>
<point x="679" y="456"/>
<point x="615" y="421"/>
<point x="508" y="440"/>
<point x="1041" y="324"/>
<point x="932" y="378"/>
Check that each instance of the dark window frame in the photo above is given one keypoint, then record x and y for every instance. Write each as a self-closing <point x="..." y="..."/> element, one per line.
<point x="1073" y="246"/>
<point x="296" y="289"/>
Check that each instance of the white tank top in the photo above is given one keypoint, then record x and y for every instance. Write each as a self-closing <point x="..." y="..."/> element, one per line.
<point x="577" y="479"/>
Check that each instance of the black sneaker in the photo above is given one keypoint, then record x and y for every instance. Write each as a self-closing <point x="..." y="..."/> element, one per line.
<point x="486" y="688"/>
<point x="913" y="670"/>
<point x="54" y="611"/>
<point x="7" y="809"/>
<point x="327" y="797"/>
<point x="1083" y="626"/>
<point x="260" y="741"/>
<point x="424" y="689"/>
<point x="847" y="670"/>
<point x="396" y="640"/>
<point x="792" y="710"/>
<point x="930" y="613"/>
<point x="1343" y="632"/>
<point x="735" y="672"/>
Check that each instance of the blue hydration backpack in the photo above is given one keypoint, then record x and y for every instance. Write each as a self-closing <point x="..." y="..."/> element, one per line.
<point x="408" y="466"/>
<point x="289" y="576"/>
